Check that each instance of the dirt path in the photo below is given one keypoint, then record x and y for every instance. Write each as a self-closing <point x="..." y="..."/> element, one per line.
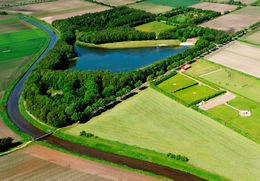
<point x="222" y="99"/>
<point x="80" y="164"/>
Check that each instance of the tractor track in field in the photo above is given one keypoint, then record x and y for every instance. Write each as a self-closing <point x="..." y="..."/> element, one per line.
<point x="25" y="126"/>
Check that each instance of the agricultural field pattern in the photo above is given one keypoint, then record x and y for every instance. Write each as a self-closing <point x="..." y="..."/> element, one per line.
<point x="138" y="90"/>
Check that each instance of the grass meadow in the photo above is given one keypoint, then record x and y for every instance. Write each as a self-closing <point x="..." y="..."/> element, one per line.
<point x="166" y="126"/>
<point x="174" y="3"/>
<point x="226" y="78"/>
<point x="19" y="43"/>
<point x="252" y="38"/>
<point x="249" y="126"/>
<point x="154" y="26"/>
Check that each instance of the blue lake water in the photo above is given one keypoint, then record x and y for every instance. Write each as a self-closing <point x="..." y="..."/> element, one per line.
<point x="121" y="60"/>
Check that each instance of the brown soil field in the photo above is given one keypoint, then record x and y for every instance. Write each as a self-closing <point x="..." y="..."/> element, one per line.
<point x="150" y="7"/>
<point x="240" y="56"/>
<point x="6" y="132"/>
<point x="15" y="26"/>
<point x="253" y="37"/>
<point x="59" y="9"/>
<point x="36" y="162"/>
<point x="235" y="21"/>
<point x="3" y="17"/>
<point x="117" y="2"/>
<point x="215" y="7"/>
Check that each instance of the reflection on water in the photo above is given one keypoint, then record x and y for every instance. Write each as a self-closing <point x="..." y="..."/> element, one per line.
<point x="119" y="60"/>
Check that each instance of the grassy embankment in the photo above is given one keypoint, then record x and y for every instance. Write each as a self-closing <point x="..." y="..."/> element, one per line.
<point x="244" y="86"/>
<point x="133" y="44"/>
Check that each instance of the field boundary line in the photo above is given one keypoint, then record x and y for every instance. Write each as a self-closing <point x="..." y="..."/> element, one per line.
<point x="16" y="148"/>
<point x="214" y="71"/>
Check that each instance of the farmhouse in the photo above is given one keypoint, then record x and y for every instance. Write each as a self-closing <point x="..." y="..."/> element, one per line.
<point x="185" y="67"/>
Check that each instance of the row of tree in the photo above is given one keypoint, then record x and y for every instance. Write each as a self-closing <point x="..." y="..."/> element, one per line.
<point x="114" y="35"/>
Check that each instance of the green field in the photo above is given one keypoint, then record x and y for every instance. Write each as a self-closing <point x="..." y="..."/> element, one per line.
<point x="174" y="3"/>
<point x="187" y="89"/>
<point x="239" y="83"/>
<point x="154" y="26"/>
<point x="20" y="42"/>
<point x="249" y="126"/>
<point x="166" y="126"/>
<point x="229" y="79"/>
<point x="175" y="83"/>
<point x="196" y="93"/>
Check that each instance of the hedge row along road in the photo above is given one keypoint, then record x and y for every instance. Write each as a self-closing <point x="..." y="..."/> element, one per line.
<point x="25" y="126"/>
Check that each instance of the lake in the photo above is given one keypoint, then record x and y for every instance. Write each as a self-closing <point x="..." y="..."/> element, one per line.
<point x="121" y="60"/>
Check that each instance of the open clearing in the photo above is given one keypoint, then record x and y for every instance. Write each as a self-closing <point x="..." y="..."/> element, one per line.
<point x="215" y="7"/>
<point x="252" y="38"/>
<point x="59" y="9"/>
<point x="167" y="126"/>
<point x="37" y="162"/>
<point x="154" y="26"/>
<point x="174" y="3"/>
<point x="150" y="7"/>
<point x="236" y="20"/>
<point x="23" y="39"/>
<point x="117" y="2"/>
<point x="240" y="56"/>
<point x="229" y="79"/>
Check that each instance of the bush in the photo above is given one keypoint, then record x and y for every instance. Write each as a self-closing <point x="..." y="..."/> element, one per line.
<point x="85" y="134"/>
<point x="178" y="157"/>
<point x="6" y="144"/>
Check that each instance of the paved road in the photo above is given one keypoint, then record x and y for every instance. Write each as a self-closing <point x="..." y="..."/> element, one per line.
<point x="25" y="126"/>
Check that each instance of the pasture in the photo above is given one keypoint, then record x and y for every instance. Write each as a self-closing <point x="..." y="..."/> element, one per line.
<point x="150" y="7"/>
<point x="117" y="2"/>
<point x="19" y="44"/>
<point x="215" y="7"/>
<point x="175" y="83"/>
<point x="154" y="26"/>
<point x="229" y="79"/>
<point x="60" y="9"/>
<point x="166" y="126"/>
<point x="252" y="38"/>
<point x="236" y="20"/>
<point x="174" y="3"/>
<point x="249" y="126"/>
<point x="239" y="56"/>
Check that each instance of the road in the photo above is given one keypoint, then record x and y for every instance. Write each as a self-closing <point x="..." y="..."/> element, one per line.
<point x="25" y="126"/>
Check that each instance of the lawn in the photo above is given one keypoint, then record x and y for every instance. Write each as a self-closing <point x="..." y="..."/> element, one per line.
<point x="229" y="79"/>
<point x="196" y="93"/>
<point x="174" y="3"/>
<point x="166" y="126"/>
<point x="17" y="48"/>
<point x="154" y="26"/>
<point x="249" y="126"/>
<point x="175" y="83"/>
<point x="150" y="7"/>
